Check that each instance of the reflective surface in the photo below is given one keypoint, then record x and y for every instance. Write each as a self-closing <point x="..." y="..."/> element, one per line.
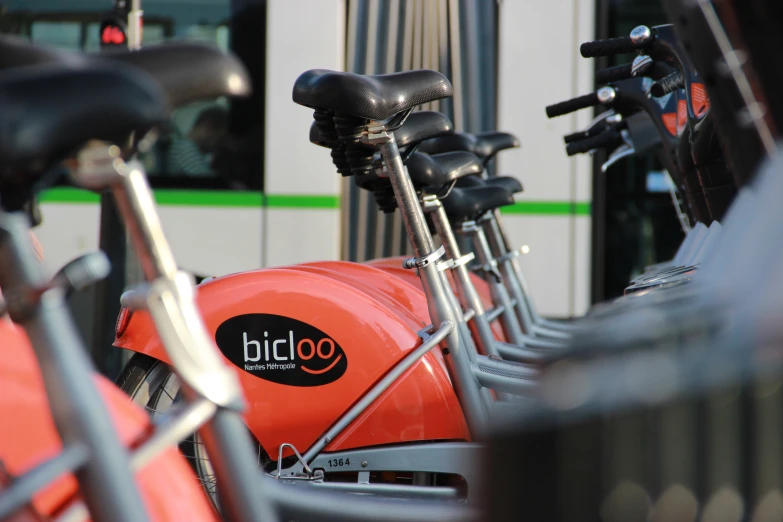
<point x="28" y="438"/>
<point x="373" y="338"/>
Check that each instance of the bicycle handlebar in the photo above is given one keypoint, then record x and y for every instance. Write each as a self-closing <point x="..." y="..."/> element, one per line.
<point x="668" y="84"/>
<point x="640" y="37"/>
<point x="572" y="105"/>
<point x="613" y="74"/>
<point x="608" y="47"/>
<point x="609" y="138"/>
<point x="581" y="135"/>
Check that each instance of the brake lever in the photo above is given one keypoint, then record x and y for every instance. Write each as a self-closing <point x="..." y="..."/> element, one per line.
<point x="605" y="120"/>
<point x="601" y="118"/>
<point x="77" y="275"/>
<point x="641" y="65"/>
<point x="623" y="151"/>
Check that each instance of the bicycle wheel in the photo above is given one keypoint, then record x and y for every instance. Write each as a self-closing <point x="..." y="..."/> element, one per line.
<point x="152" y="385"/>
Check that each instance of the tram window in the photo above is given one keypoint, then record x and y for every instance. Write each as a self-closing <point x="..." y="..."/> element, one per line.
<point x="221" y="37"/>
<point x="153" y="34"/>
<point x="215" y="144"/>
<point x="66" y="35"/>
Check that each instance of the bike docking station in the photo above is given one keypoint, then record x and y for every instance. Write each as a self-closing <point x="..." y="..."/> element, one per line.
<point x="428" y="384"/>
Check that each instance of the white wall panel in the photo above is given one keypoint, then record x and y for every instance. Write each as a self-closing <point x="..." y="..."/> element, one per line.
<point x="300" y="235"/>
<point x="546" y="264"/>
<point x="301" y="35"/>
<point x="539" y="64"/>
<point x="213" y="241"/>
<point x="67" y="231"/>
<point x="205" y="240"/>
<point x="581" y="259"/>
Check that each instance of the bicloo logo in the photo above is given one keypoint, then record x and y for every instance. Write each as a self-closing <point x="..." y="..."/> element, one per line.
<point x="281" y="350"/>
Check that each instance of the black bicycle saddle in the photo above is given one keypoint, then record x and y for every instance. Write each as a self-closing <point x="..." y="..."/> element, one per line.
<point x="48" y="111"/>
<point x="186" y="71"/>
<point x="370" y="97"/>
<point x="509" y="183"/>
<point x="440" y="169"/>
<point x="484" y="145"/>
<point x="16" y="52"/>
<point x="470" y="203"/>
<point x="418" y="127"/>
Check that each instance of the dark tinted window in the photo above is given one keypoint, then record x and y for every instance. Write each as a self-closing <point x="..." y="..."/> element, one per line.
<point x="214" y="144"/>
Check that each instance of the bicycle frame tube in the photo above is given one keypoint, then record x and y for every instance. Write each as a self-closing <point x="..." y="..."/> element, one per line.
<point x="498" y="251"/>
<point x="81" y="417"/>
<point x="170" y="300"/>
<point x="223" y="434"/>
<point x="458" y="364"/>
<point x="465" y="289"/>
<point x="468" y="295"/>
<point x="531" y="324"/>
<point x="501" y="247"/>
<point x="500" y="295"/>
<point x="429" y="342"/>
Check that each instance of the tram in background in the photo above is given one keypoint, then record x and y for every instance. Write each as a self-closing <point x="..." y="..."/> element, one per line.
<point x="226" y="178"/>
<point x="272" y="199"/>
<point x="226" y="206"/>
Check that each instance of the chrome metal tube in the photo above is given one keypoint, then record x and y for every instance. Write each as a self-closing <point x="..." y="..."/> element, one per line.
<point x="514" y="274"/>
<point x="457" y="361"/>
<point x="502" y="235"/>
<point x="228" y="444"/>
<point x="78" y="410"/>
<point x="23" y="488"/>
<point x="390" y="490"/>
<point x="465" y="289"/>
<point x="305" y="503"/>
<point x="500" y="296"/>
<point x="497" y="249"/>
<point x="137" y="207"/>
<point x="407" y="200"/>
<point x="446" y="327"/>
<point x="225" y="436"/>
<point x="173" y="430"/>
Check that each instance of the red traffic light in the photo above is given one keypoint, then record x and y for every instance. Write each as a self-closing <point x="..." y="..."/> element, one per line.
<point x="112" y="35"/>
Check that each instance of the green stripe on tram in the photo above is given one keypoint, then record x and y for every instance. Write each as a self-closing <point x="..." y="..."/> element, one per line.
<point x="548" y="208"/>
<point x="302" y="201"/>
<point x="67" y="195"/>
<point x="248" y="199"/>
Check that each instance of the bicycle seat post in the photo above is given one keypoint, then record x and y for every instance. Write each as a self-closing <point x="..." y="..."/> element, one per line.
<point x="170" y="301"/>
<point x="440" y="306"/>
<point x="467" y="292"/>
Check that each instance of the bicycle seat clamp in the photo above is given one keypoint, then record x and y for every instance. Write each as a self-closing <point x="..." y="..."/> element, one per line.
<point x="419" y="262"/>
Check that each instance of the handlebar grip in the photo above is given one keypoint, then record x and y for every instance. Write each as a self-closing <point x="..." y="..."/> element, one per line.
<point x="610" y="138"/>
<point x="608" y="47"/>
<point x="668" y="84"/>
<point x="572" y="105"/>
<point x="581" y="135"/>
<point x="613" y="74"/>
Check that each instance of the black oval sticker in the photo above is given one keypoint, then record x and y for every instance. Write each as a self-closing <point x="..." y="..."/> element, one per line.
<point x="281" y="350"/>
